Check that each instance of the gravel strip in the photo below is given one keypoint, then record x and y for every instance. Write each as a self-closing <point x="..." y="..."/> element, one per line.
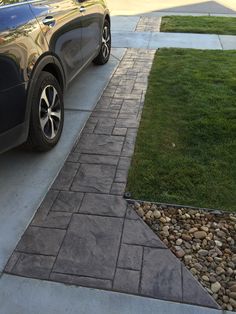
<point x="204" y="241"/>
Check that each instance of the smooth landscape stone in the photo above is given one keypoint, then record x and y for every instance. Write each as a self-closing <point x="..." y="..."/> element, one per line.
<point x="137" y="232"/>
<point x="41" y="241"/>
<point x="100" y="204"/>
<point x="94" y="178"/>
<point x="161" y="275"/>
<point x="90" y="247"/>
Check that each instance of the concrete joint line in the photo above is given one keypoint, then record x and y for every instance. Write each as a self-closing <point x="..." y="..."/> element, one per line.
<point x="220" y="42"/>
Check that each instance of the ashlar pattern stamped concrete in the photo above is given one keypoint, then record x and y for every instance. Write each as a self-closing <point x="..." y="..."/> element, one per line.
<point x="84" y="233"/>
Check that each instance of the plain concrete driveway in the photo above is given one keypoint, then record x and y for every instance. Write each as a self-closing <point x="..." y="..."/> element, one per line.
<point x="132" y="7"/>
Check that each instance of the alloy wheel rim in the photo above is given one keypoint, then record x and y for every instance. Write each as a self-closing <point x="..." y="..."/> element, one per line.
<point x="50" y="112"/>
<point x="106" y="39"/>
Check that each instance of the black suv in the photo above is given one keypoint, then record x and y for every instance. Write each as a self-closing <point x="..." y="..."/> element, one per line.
<point x="44" y="44"/>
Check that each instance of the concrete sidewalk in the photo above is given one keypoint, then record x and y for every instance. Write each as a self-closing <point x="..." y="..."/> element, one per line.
<point x="29" y="296"/>
<point x="152" y="40"/>
<point x="124" y="35"/>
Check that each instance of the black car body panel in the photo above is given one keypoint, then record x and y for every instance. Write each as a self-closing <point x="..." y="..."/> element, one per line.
<point x="61" y="36"/>
<point x="16" y="24"/>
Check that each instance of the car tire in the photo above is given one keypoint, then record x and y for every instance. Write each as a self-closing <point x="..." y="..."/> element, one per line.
<point x="105" y="50"/>
<point x="47" y="114"/>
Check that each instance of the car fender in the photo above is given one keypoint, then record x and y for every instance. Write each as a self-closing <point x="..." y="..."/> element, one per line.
<point x="44" y="61"/>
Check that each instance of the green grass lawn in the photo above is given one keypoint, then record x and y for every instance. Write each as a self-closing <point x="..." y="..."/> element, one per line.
<point x="199" y="24"/>
<point x="186" y="145"/>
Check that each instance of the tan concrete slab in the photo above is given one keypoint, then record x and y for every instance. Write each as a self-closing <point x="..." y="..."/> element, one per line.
<point x="132" y="7"/>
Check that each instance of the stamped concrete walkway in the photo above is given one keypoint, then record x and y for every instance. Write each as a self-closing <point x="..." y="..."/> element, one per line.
<point x="84" y="233"/>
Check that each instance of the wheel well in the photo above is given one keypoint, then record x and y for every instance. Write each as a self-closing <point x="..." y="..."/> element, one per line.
<point x="53" y="69"/>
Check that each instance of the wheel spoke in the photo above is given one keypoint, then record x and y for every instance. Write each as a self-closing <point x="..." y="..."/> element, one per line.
<point x="53" y="133"/>
<point x="105" y="33"/>
<point x="45" y="97"/>
<point x="43" y="122"/>
<point x="50" y="113"/>
<point x="108" y="39"/>
<point x="53" y="97"/>
<point x="56" y="114"/>
<point x="105" y="50"/>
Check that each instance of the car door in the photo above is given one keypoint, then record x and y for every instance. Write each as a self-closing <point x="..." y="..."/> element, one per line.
<point x="60" y="21"/>
<point x="17" y="55"/>
<point x="92" y="22"/>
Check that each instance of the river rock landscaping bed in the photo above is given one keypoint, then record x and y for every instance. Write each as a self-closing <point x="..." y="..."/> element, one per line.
<point x="204" y="241"/>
